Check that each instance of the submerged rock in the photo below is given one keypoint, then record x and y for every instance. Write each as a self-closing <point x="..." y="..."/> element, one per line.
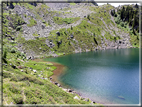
<point x="121" y="97"/>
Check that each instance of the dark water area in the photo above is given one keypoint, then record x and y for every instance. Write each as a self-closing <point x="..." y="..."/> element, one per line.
<point x="105" y="76"/>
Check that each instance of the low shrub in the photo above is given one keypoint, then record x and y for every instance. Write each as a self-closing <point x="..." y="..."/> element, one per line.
<point x="32" y="22"/>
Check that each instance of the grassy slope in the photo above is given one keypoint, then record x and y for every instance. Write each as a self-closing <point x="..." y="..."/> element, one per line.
<point x="22" y="86"/>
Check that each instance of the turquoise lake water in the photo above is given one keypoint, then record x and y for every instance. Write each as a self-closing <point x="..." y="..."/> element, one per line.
<point x="105" y="76"/>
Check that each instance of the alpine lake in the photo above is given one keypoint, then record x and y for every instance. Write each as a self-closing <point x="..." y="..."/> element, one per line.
<point x="105" y="76"/>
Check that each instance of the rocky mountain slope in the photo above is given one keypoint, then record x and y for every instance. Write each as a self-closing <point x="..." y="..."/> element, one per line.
<point x="62" y="28"/>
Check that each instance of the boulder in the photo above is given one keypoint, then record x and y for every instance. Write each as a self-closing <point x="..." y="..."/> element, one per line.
<point x="30" y="57"/>
<point x="93" y="102"/>
<point x="70" y="90"/>
<point x="58" y="85"/>
<point x="64" y="89"/>
<point x="34" y="71"/>
<point x="71" y="35"/>
<point x="43" y="26"/>
<point x="50" y="43"/>
<point x="76" y="97"/>
<point x="55" y="83"/>
<point x="13" y="66"/>
<point x="31" y="68"/>
<point x="121" y="97"/>
<point x="58" y="33"/>
<point x="22" y="70"/>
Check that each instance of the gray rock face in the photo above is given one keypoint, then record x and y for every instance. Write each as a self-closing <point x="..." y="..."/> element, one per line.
<point x="57" y="6"/>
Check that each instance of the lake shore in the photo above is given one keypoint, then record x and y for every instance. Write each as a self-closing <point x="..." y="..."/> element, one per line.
<point x="97" y="99"/>
<point x="60" y="69"/>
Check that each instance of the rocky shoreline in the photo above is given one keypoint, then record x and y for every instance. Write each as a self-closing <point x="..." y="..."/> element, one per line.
<point x="53" y="79"/>
<point x="68" y="90"/>
<point x="60" y="69"/>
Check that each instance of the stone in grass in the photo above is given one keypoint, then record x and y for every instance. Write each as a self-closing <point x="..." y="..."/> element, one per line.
<point x="93" y="102"/>
<point x="22" y="70"/>
<point x="58" y="33"/>
<point x="71" y="36"/>
<point x="76" y="97"/>
<point x="31" y="68"/>
<point x="13" y="66"/>
<point x="64" y="89"/>
<point x="34" y="71"/>
<point x="57" y="84"/>
<point x="70" y="90"/>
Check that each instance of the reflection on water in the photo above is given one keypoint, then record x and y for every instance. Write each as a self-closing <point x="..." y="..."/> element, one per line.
<point x="108" y="76"/>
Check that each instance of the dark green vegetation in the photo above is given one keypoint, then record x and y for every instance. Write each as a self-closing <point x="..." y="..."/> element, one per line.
<point x="127" y="17"/>
<point x="32" y="22"/>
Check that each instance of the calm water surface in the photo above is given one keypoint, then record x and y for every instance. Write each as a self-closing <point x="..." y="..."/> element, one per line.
<point x="107" y="76"/>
